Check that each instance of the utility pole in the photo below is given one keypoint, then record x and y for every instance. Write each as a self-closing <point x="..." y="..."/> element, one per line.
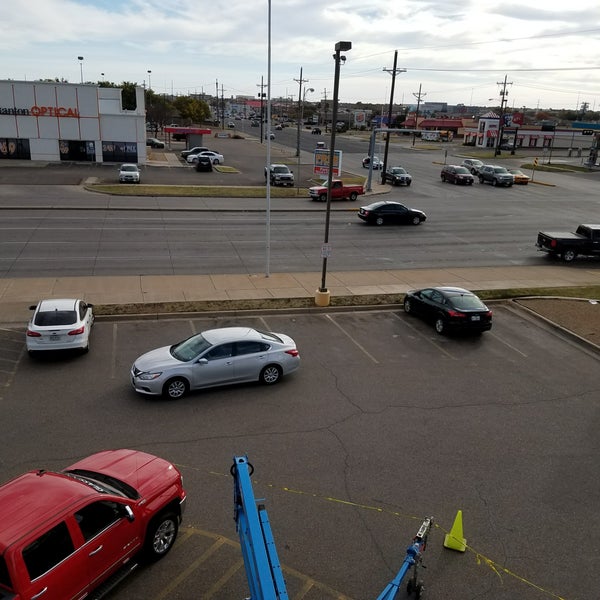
<point x="300" y="82"/>
<point x="418" y="96"/>
<point x="222" y="109"/>
<point x="262" y="86"/>
<point x="503" y="102"/>
<point x="217" y="100"/>
<point x="325" y="109"/>
<point x="393" y="71"/>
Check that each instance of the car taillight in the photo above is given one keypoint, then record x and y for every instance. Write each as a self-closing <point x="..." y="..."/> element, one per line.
<point x="488" y="314"/>
<point x="33" y="333"/>
<point x="455" y="313"/>
<point x="77" y="331"/>
<point x="293" y="352"/>
<point x="553" y="243"/>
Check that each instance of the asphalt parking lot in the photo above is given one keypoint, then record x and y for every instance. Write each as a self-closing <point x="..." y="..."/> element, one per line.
<point x="385" y="423"/>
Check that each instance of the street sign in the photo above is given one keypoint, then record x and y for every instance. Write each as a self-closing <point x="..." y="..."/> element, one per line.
<point x="535" y="162"/>
<point x="325" y="251"/>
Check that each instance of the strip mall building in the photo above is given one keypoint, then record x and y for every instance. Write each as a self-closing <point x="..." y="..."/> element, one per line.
<point x="70" y="122"/>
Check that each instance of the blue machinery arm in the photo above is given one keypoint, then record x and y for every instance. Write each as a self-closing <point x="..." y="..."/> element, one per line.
<point x="263" y="569"/>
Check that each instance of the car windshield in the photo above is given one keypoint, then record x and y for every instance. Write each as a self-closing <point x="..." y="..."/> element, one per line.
<point x="398" y="170"/>
<point x="467" y="302"/>
<point x="129" y="168"/>
<point x="500" y="170"/>
<point x="190" y="348"/>
<point x="280" y="169"/>
<point x="461" y="170"/>
<point x="55" y="317"/>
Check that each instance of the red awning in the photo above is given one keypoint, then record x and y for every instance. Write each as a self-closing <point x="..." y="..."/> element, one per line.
<point x="534" y="137"/>
<point x="492" y="133"/>
<point x="548" y="137"/>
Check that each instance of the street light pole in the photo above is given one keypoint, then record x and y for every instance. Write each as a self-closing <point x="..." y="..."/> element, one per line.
<point x="322" y="295"/>
<point x="80" y="59"/>
<point x="300" y="119"/>
<point x="149" y="79"/>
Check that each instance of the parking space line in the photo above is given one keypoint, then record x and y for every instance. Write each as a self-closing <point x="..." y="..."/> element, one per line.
<point x="355" y="342"/>
<point x="495" y="336"/>
<point x="113" y="362"/>
<point x="422" y="336"/>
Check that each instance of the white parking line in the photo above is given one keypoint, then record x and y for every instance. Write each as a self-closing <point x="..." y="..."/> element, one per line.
<point x="353" y="340"/>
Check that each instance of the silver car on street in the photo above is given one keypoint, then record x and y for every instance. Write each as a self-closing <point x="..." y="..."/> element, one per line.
<point x="215" y="357"/>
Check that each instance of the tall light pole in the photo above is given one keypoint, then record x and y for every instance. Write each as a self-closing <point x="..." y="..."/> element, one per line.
<point x="300" y="119"/>
<point x="80" y="59"/>
<point x="300" y="83"/>
<point x="322" y="295"/>
<point x="149" y="80"/>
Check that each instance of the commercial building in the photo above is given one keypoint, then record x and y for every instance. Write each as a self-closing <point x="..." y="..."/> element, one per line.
<point x="51" y="121"/>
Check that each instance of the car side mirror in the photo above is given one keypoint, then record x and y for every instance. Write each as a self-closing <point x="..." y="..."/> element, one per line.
<point x="203" y="361"/>
<point x="33" y="307"/>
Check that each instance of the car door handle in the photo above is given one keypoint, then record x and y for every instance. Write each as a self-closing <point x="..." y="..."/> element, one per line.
<point x="39" y="593"/>
<point x="96" y="550"/>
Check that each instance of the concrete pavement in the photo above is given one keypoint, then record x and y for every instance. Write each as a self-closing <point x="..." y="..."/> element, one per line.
<point x="235" y="291"/>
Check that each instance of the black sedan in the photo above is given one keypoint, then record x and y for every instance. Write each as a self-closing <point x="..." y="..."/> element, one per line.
<point x="387" y="212"/>
<point x="155" y="143"/>
<point x="204" y="163"/>
<point x="449" y="309"/>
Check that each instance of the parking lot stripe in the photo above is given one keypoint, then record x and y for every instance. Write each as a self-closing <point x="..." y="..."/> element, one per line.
<point x="355" y="342"/>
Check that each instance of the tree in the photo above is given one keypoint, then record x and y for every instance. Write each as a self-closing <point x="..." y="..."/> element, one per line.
<point x="191" y="110"/>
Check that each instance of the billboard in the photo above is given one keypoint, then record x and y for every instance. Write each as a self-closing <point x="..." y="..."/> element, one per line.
<point x="321" y="162"/>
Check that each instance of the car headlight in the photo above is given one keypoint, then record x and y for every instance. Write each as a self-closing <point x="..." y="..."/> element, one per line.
<point x="149" y="376"/>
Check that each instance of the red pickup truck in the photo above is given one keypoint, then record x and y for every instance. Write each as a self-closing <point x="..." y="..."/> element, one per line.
<point x="338" y="191"/>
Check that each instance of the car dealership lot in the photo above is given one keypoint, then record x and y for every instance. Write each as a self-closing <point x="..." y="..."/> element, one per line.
<point x="385" y="422"/>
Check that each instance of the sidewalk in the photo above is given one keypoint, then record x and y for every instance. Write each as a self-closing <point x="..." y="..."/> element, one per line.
<point x="16" y="295"/>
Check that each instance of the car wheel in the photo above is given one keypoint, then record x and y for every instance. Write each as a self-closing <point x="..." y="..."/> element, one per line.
<point x="175" y="388"/>
<point x="480" y="179"/>
<point x="443" y="179"/>
<point x="270" y="374"/>
<point x="416" y="220"/>
<point x="353" y="196"/>
<point x="456" y="182"/>
<point x="440" y="325"/>
<point x="408" y="183"/>
<point x="160" y="535"/>
<point x="568" y="255"/>
<point x="494" y="182"/>
<point x="323" y="197"/>
<point x="379" y="221"/>
<point x="216" y="161"/>
<point x="86" y="348"/>
<point x="407" y="305"/>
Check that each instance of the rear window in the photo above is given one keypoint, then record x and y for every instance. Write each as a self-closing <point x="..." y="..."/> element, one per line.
<point x="4" y="576"/>
<point x="467" y="303"/>
<point x="55" y="317"/>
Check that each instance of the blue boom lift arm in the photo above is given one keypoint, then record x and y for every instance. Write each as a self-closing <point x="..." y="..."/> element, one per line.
<point x="263" y="569"/>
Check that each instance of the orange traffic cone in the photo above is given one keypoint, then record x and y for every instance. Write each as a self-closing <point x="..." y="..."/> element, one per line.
<point x="455" y="540"/>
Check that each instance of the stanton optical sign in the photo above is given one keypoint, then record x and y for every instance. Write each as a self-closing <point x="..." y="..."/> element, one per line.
<point x="41" y="111"/>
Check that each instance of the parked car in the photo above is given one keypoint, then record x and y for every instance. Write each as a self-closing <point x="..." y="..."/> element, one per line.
<point x="215" y="357"/>
<point x="129" y="173"/>
<point x="194" y="150"/>
<point x="457" y="174"/>
<point x="449" y="308"/>
<point x="396" y="176"/>
<point x="215" y="157"/>
<point x="231" y="125"/>
<point x="386" y="212"/>
<point x="316" y="131"/>
<point x="204" y="163"/>
<point x="279" y="175"/>
<point x="377" y="162"/>
<point x="155" y="143"/>
<point x="59" y="324"/>
<point x="507" y="146"/>
<point x="66" y="533"/>
<point x="472" y="164"/>
<point x="254" y="124"/>
<point x="270" y="136"/>
<point x="520" y="177"/>
<point x="495" y="175"/>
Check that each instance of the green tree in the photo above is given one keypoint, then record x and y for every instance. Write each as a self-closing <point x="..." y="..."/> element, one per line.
<point x="191" y="110"/>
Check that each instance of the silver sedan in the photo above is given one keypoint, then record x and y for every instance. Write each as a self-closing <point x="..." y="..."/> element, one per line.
<point x="215" y="357"/>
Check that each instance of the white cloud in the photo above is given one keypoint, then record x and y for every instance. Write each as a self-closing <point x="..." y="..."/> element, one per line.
<point x="456" y="49"/>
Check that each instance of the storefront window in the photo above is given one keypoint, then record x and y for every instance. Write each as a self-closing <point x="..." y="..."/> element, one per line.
<point x="77" y="150"/>
<point x="14" y="148"/>
<point x="119" y="152"/>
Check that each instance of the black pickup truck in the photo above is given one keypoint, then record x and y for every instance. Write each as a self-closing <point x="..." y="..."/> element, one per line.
<point x="585" y="241"/>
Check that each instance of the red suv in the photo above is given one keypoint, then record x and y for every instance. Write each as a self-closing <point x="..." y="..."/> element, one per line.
<point x="64" y="533"/>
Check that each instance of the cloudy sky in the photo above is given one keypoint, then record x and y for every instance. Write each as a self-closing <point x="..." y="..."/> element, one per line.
<point x="456" y="50"/>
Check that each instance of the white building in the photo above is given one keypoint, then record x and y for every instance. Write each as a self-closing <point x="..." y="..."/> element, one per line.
<point x="70" y="122"/>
